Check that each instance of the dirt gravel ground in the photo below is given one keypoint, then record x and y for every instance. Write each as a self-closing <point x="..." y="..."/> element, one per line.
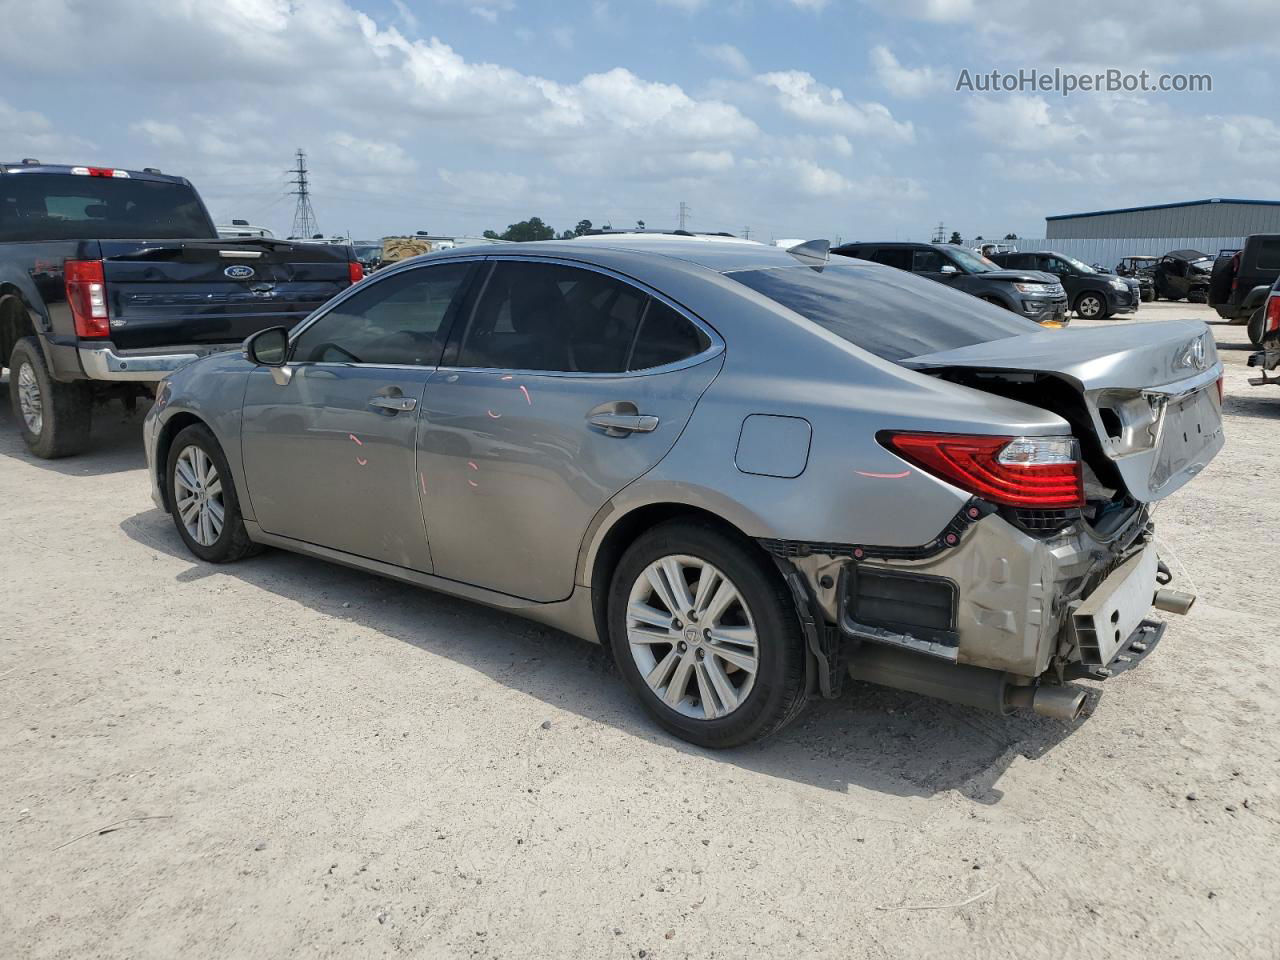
<point x="284" y="758"/>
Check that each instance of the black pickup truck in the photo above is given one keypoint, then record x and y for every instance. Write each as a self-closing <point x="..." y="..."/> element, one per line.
<point x="110" y="279"/>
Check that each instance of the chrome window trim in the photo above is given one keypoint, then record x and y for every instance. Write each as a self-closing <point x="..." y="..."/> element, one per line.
<point x="714" y="349"/>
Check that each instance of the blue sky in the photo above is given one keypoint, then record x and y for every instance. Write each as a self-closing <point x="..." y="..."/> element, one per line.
<point x="798" y="118"/>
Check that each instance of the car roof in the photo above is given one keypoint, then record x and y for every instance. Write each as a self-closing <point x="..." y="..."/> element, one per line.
<point x="714" y="253"/>
<point x="18" y="169"/>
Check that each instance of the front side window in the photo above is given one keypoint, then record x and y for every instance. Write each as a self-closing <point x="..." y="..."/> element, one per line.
<point x="927" y="261"/>
<point x="397" y="320"/>
<point x="899" y="257"/>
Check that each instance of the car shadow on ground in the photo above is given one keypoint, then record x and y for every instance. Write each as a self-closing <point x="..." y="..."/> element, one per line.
<point x="1264" y="405"/>
<point x="871" y="738"/>
<point x="115" y="444"/>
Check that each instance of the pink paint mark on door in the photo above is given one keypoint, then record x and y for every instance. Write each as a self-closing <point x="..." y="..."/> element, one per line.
<point x="362" y="461"/>
<point x="356" y="439"/>
<point x="525" y="391"/>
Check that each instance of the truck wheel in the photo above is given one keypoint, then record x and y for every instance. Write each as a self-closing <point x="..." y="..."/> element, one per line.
<point x="1257" y="323"/>
<point x="1148" y="295"/>
<point x="706" y="634"/>
<point x="1091" y="306"/>
<point x="54" y="417"/>
<point x="203" y="500"/>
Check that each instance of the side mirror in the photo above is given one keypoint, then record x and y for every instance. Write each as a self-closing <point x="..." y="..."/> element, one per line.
<point x="948" y="270"/>
<point x="268" y="348"/>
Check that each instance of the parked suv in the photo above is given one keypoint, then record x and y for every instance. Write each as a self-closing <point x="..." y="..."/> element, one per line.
<point x="1093" y="294"/>
<point x="1241" y="282"/>
<point x="110" y="279"/>
<point x="1037" y="296"/>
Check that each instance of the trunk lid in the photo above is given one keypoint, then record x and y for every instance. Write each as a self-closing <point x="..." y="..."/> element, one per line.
<point x="168" y="293"/>
<point x="1149" y="392"/>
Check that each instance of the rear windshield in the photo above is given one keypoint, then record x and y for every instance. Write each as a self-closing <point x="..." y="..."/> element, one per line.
<point x="65" y="206"/>
<point x="893" y="314"/>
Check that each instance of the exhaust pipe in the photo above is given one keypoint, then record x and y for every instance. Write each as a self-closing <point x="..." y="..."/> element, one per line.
<point x="961" y="683"/>
<point x="1173" y="601"/>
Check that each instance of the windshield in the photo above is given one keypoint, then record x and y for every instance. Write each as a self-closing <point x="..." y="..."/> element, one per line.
<point x="1078" y="265"/>
<point x="65" y="206"/>
<point x="971" y="261"/>
<point x="891" y="313"/>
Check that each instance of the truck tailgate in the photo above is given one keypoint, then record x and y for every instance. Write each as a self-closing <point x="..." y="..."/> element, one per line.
<point x="215" y="291"/>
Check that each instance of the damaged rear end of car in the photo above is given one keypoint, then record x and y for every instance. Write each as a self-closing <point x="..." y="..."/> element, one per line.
<point x="1050" y="572"/>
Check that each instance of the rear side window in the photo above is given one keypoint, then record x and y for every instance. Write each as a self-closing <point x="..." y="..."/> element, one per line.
<point x="899" y="257"/>
<point x="666" y="337"/>
<point x="1269" y="253"/>
<point x="543" y="316"/>
<point x="893" y="314"/>
<point x="65" y="206"/>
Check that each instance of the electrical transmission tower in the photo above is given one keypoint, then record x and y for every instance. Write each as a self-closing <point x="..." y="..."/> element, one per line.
<point x="746" y="233"/>
<point x="684" y="214"/>
<point x="939" y="235"/>
<point x="304" y="218"/>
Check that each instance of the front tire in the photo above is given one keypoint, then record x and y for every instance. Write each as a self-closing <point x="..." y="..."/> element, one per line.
<point x="1091" y="306"/>
<point x="203" y="500"/>
<point x="54" y="417"/>
<point x="706" y="634"/>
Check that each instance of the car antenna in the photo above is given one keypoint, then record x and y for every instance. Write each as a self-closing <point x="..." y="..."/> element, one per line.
<point x="811" y="251"/>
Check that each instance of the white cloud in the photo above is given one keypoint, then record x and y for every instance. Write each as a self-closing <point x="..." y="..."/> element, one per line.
<point x="727" y="55"/>
<point x="800" y="95"/>
<point x="26" y="132"/>
<point x="1022" y="123"/>
<point x="814" y="5"/>
<point x="906" y="82"/>
<point x="159" y="133"/>
<point x="373" y="156"/>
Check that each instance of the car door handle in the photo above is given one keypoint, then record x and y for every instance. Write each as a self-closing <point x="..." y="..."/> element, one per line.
<point x="394" y="404"/>
<point x="621" y="424"/>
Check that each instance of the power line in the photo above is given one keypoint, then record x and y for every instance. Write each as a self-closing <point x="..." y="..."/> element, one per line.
<point x="304" y="218"/>
<point x="746" y="233"/>
<point x="684" y="214"/>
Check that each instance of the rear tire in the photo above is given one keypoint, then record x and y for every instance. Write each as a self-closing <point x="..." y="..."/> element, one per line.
<point x="1091" y="306"/>
<point x="54" y="417"/>
<point x="1257" y="325"/>
<point x="202" y="498"/>
<point x="728" y="670"/>
<point x="1148" y="295"/>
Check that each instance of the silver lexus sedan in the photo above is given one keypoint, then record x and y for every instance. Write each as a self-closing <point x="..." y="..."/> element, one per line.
<point x="751" y="472"/>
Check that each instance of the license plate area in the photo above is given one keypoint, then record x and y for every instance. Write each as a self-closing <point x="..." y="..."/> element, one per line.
<point x="1107" y="617"/>
<point x="1190" y="425"/>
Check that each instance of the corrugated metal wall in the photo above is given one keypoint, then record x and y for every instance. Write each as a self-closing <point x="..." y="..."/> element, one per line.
<point x="1109" y="251"/>
<point x="1192" y="220"/>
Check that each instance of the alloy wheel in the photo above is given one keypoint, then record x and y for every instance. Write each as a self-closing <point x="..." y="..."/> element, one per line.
<point x="197" y="494"/>
<point x="1089" y="307"/>
<point x="30" y="402"/>
<point x="692" y="637"/>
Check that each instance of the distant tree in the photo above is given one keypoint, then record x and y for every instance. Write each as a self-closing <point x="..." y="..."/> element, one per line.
<point x="582" y="227"/>
<point x="640" y="225"/>
<point x="531" y="229"/>
<point x="567" y="235"/>
<point x="1011" y="236"/>
<point x="977" y="238"/>
<point x="606" y="226"/>
<point x="955" y="237"/>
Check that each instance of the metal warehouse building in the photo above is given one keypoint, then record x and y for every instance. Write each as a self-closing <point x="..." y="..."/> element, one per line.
<point x="1217" y="217"/>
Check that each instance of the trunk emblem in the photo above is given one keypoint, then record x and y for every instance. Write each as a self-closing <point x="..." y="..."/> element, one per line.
<point x="239" y="271"/>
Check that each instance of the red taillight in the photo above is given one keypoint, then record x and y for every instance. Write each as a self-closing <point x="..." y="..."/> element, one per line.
<point x="87" y="296"/>
<point x="1016" y="471"/>
<point x="1272" y="323"/>
<point x="355" y="270"/>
